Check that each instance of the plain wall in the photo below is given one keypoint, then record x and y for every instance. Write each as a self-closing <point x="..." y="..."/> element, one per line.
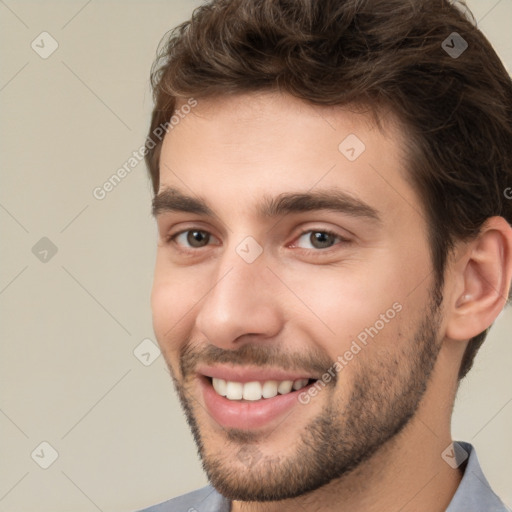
<point x="70" y="323"/>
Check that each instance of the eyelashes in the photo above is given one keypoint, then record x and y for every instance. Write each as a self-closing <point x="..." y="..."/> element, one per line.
<point x="193" y="239"/>
<point x="323" y="241"/>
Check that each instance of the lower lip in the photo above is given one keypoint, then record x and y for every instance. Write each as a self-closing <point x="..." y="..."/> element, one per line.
<point x="248" y="415"/>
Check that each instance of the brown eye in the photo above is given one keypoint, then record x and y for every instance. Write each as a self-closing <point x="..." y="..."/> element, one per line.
<point x="193" y="239"/>
<point x="197" y="238"/>
<point x="322" y="240"/>
<point x="317" y="240"/>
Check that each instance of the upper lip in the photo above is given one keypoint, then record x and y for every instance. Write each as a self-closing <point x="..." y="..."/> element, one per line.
<point x="250" y="373"/>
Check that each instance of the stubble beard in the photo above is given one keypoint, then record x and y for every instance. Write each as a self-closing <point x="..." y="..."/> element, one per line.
<point x="384" y="397"/>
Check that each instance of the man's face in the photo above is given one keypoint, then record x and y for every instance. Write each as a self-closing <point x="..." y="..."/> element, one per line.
<point x="289" y="241"/>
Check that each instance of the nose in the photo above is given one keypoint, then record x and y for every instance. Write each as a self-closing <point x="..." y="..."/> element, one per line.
<point x="241" y="304"/>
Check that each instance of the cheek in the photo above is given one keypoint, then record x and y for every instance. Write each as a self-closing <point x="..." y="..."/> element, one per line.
<point x="173" y="297"/>
<point x="345" y="295"/>
<point x="352" y="303"/>
<point x="163" y="308"/>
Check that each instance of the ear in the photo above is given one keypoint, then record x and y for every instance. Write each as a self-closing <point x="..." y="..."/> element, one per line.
<point x="481" y="280"/>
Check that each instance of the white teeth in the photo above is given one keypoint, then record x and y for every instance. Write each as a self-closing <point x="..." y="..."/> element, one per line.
<point x="285" y="387"/>
<point x="269" y="389"/>
<point x="234" y="390"/>
<point x="252" y="391"/>
<point x="220" y="386"/>
<point x="256" y="390"/>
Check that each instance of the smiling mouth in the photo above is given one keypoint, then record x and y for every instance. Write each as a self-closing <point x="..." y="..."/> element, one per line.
<point x="256" y="390"/>
<point x="251" y="398"/>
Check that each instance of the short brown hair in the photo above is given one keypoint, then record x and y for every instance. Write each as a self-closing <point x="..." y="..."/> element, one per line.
<point x="392" y="54"/>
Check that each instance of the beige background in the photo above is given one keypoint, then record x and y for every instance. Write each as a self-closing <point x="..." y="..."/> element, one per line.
<point x="68" y="374"/>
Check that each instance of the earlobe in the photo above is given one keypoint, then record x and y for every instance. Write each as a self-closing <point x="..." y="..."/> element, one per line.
<point x="484" y="274"/>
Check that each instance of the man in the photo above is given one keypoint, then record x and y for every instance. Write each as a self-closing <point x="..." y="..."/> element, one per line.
<point x="334" y="244"/>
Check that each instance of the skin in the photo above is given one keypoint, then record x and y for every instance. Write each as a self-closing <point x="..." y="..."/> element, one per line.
<point x="304" y="305"/>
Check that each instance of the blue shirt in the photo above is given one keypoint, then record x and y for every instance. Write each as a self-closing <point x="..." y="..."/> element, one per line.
<point x="474" y="494"/>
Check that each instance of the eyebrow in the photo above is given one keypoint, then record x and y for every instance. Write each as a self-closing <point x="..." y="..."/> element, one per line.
<point x="172" y="200"/>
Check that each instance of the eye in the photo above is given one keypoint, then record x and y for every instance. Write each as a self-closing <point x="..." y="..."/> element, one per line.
<point x="317" y="240"/>
<point x="194" y="238"/>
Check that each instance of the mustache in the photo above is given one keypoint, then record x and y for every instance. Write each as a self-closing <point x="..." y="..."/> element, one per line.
<point x="192" y="354"/>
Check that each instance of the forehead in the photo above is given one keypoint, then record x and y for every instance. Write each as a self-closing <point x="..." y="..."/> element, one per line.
<point x="248" y="121"/>
<point x="234" y="150"/>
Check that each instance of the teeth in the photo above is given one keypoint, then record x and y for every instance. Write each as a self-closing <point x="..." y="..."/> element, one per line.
<point x="234" y="390"/>
<point x="285" y="387"/>
<point x="220" y="386"/>
<point x="269" y="389"/>
<point x="252" y="391"/>
<point x="256" y="390"/>
<point x="299" y="384"/>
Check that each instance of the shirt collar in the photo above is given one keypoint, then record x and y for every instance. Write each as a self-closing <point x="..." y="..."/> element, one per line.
<point x="474" y="493"/>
